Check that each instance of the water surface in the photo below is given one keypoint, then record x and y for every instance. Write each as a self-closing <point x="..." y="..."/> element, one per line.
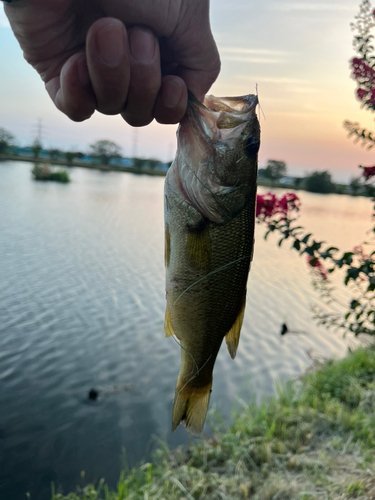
<point x="82" y="305"/>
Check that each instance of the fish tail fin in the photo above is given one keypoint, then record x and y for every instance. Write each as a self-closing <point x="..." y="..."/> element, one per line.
<point x="190" y="406"/>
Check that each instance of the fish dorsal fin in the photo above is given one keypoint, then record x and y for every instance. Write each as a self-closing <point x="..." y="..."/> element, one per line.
<point x="168" y="330"/>
<point x="232" y="338"/>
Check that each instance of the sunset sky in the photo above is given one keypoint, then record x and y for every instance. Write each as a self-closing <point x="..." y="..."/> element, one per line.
<point x="296" y="52"/>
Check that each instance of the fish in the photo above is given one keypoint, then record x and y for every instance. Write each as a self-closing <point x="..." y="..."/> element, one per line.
<point x="209" y="214"/>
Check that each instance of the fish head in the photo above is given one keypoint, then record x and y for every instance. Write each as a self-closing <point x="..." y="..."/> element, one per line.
<point x="217" y="155"/>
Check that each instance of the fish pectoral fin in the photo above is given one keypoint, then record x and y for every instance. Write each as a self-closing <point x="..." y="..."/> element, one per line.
<point x="198" y="248"/>
<point x="190" y="406"/>
<point x="232" y="338"/>
<point x="168" y="330"/>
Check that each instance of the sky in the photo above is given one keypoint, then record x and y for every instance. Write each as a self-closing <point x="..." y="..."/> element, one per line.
<point x="297" y="55"/>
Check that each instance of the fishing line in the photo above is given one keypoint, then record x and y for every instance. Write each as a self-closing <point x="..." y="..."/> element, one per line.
<point x="260" y="107"/>
<point x="193" y="377"/>
<point x="212" y="272"/>
<point x="182" y="347"/>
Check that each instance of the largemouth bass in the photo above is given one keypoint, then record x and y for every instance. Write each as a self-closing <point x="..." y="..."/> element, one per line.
<point x="210" y="196"/>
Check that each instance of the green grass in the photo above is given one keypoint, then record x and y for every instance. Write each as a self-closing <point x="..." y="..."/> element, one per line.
<point x="44" y="173"/>
<point x="314" y="439"/>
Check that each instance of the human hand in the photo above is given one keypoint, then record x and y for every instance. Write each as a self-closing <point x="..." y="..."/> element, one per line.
<point x="133" y="57"/>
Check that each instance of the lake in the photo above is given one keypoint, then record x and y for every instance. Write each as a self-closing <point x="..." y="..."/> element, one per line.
<point x="82" y="306"/>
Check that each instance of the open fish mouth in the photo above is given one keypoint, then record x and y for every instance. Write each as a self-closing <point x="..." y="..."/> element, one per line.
<point x="220" y="118"/>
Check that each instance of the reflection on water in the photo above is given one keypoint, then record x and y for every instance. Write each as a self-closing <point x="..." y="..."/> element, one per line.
<point x="82" y="305"/>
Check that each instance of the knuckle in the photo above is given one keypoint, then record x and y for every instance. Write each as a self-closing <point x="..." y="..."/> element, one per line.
<point x="137" y="120"/>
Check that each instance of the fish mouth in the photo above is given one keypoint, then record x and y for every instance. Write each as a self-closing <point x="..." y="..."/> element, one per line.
<point x="219" y="119"/>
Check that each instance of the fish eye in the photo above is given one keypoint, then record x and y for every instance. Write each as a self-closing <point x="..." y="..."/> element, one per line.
<point x="252" y="146"/>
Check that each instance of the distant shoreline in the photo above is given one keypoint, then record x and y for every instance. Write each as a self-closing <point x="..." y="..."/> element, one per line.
<point x="263" y="182"/>
<point x="77" y="163"/>
<point x="120" y="168"/>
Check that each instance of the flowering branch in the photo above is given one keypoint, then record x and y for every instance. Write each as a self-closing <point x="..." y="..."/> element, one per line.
<point x="278" y="214"/>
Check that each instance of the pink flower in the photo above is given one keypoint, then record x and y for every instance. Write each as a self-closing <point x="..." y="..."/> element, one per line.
<point x="317" y="266"/>
<point x="358" y="250"/>
<point x="368" y="172"/>
<point x="268" y="205"/>
<point x="361" y="93"/>
<point x="364" y="74"/>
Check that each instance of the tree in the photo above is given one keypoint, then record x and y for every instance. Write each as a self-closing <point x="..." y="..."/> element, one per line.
<point x="275" y="169"/>
<point x="70" y="155"/>
<point x="355" y="185"/>
<point x="6" y="140"/>
<point x="54" y="153"/>
<point x="36" y="148"/>
<point x="105" y="151"/>
<point x="152" y="164"/>
<point x="320" y="182"/>
<point x="139" y="163"/>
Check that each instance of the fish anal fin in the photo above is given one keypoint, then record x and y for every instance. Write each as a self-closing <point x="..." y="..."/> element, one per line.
<point x="232" y="338"/>
<point x="168" y="329"/>
<point x="190" y="406"/>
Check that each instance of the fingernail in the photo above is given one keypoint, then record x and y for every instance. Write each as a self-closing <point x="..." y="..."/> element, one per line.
<point x="171" y="94"/>
<point x="83" y="71"/>
<point x="110" y="43"/>
<point x="142" y="45"/>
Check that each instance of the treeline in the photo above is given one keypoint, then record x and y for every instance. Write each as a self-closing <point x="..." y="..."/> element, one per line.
<point x="103" y="152"/>
<point x="275" y="174"/>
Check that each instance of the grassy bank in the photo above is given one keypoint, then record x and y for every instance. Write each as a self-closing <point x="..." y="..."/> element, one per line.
<point x="314" y="439"/>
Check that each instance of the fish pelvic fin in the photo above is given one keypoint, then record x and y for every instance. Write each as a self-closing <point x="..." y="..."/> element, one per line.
<point x="232" y="338"/>
<point x="168" y="329"/>
<point x="190" y="406"/>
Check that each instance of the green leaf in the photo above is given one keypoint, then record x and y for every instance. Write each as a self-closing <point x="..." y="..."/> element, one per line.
<point x="305" y="239"/>
<point x="347" y="257"/>
<point x="353" y="273"/>
<point x="297" y="245"/>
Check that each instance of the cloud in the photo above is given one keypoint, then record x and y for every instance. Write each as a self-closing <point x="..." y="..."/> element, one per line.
<point x="254" y="56"/>
<point x="303" y="90"/>
<point x="275" y="79"/>
<point x="257" y="52"/>
<point x="316" y="6"/>
<point x="253" y="60"/>
<point x="4" y="23"/>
